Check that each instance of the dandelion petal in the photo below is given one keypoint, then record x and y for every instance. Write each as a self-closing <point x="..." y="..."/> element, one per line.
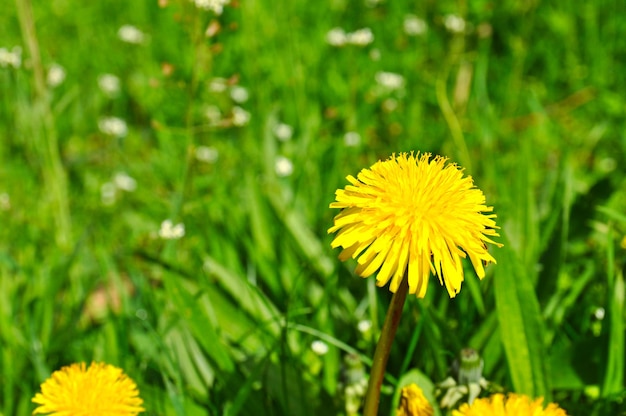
<point x="413" y="215"/>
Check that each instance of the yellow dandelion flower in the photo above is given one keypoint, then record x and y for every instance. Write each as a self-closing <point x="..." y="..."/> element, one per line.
<point x="417" y="215"/>
<point x="100" y="390"/>
<point x="413" y="402"/>
<point x="511" y="405"/>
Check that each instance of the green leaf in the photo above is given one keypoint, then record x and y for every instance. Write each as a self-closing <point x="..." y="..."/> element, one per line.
<point x="309" y="243"/>
<point x="251" y="300"/>
<point x="521" y="326"/>
<point x="199" y="324"/>
<point x="245" y="389"/>
<point x="614" y="377"/>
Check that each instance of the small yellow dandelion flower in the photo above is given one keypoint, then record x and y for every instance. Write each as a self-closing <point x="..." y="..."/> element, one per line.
<point x="413" y="402"/>
<point x="511" y="405"/>
<point x="100" y="390"/>
<point x="415" y="215"/>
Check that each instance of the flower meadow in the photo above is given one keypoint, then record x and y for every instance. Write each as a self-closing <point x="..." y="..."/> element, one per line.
<point x="367" y="207"/>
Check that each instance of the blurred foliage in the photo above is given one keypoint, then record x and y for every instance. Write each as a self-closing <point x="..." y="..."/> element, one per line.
<point x="527" y="97"/>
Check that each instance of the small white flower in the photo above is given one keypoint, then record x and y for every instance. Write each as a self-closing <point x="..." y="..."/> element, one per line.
<point x="364" y="325"/>
<point x="239" y="94"/>
<point x="283" y="132"/>
<point x="56" y="75"/>
<point x="361" y="37"/>
<point x="206" y="154"/>
<point x="336" y="37"/>
<point x="130" y="34"/>
<point x="283" y="166"/>
<point x="390" y="80"/>
<point x="240" y="116"/>
<point x="213" y="114"/>
<point x="454" y="23"/>
<point x="599" y="313"/>
<point x="5" y="201"/>
<point x="217" y="6"/>
<point x="169" y="231"/>
<point x="124" y="182"/>
<point x="319" y="347"/>
<point x="352" y="139"/>
<point x="218" y="85"/>
<point x="113" y="126"/>
<point x="11" y="58"/>
<point x="109" y="84"/>
<point x="414" y="26"/>
<point x="108" y="192"/>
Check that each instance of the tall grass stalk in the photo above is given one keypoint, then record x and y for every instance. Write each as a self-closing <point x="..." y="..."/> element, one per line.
<point x="44" y="139"/>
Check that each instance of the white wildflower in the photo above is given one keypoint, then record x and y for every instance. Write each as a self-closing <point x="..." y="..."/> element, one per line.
<point x="11" y="58"/>
<point x="414" y="26"/>
<point x="240" y="116"/>
<point x="352" y="139"/>
<point x="109" y="84"/>
<point x="218" y="85"/>
<point x="124" y="182"/>
<point x="113" y="126"/>
<point x="217" y="6"/>
<point x="283" y="166"/>
<point x="206" y="154"/>
<point x="336" y="37"/>
<point x="239" y="94"/>
<point x="5" y="201"/>
<point x="361" y="37"/>
<point x="364" y="325"/>
<point x="108" y="192"/>
<point x="390" y="80"/>
<point x="169" y="231"/>
<point x="56" y="75"/>
<point x="319" y="347"/>
<point x="454" y="23"/>
<point x="213" y="114"/>
<point x="283" y="132"/>
<point x="599" y="313"/>
<point x="130" y="34"/>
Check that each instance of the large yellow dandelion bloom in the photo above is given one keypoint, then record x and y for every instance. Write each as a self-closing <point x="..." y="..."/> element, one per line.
<point x="413" y="402"/>
<point x="413" y="214"/>
<point x="99" y="390"/>
<point x="511" y="405"/>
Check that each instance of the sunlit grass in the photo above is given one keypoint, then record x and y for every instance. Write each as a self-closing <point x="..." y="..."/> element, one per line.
<point x="216" y="311"/>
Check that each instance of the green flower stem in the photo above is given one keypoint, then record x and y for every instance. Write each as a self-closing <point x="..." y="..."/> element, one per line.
<point x="383" y="348"/>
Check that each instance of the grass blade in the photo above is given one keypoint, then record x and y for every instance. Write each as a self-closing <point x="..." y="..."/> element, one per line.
<point x="521" y="326"/>
<point x="614" y="377"/>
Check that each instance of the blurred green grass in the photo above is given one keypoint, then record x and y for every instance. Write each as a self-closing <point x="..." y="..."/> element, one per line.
<point x="221" y="321"/>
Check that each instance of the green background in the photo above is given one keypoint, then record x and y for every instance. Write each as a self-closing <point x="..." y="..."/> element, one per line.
<point x="529" y="99"/>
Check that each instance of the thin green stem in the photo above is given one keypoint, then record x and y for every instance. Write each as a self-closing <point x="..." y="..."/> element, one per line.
<point x="451" y="119"/>
<point x="44" y="136"/>
<point x="383" y="348"/>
